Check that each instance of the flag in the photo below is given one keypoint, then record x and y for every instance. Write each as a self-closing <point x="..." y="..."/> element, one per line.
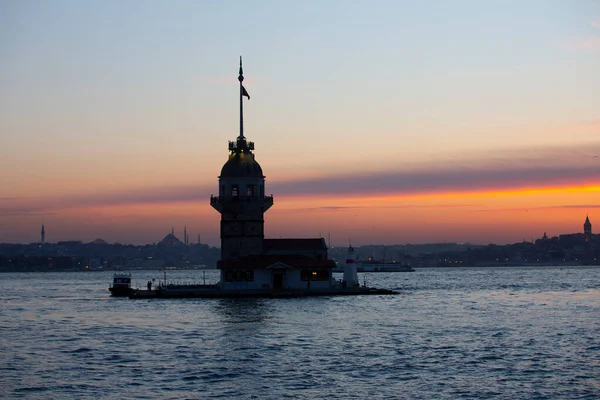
<point x="245" y="93"/>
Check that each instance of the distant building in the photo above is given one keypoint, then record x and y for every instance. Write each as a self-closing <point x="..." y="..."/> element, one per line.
<point x="171" y="240"/>
<point x="587" y="229"/>
<point x="42" y="235"/>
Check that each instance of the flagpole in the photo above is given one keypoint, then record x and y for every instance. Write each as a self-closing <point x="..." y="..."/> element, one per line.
<point x="241" y="78"/>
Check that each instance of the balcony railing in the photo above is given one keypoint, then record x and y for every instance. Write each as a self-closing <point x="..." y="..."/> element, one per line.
<point x="216" y="199"/>
<point x="234" y="146"/>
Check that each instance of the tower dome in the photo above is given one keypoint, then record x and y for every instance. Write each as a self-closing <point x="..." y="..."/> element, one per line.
<point x="241" y="163"/>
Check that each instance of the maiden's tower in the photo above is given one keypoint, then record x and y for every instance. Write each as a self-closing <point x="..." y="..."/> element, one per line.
<point x="248" y="260"/>
<point x="251" y="265"/>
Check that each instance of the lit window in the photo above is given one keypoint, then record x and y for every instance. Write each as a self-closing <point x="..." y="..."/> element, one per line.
<point x="321" y="274"/>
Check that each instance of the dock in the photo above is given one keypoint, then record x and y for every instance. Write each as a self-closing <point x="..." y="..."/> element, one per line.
<point x="213" y="292"/>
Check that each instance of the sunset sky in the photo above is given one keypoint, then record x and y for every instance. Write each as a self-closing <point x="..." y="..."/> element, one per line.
<point x="386" y="122"/>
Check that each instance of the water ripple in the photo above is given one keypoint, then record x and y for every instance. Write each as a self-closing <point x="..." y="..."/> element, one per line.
<point x="458" y="333"/>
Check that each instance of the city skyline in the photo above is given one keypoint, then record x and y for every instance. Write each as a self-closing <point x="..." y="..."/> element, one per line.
<point x="392" y="123"/>
<point x="183" y="236"/>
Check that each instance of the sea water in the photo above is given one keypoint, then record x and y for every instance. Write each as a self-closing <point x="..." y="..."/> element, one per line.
<point x="477" y="333"/>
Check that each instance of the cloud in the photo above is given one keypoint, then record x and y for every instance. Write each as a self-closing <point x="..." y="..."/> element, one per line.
<point x="500" y="170"/>
<point x="151" y="195"/>
<point x="24" y="211"/>
<point x="588" y="44"/>
<point x="406" y="206"/>
<point x="503" y="170"/>
<point x="577" y="206"/>
<point x="584" y="44"/>
<point x="556" y="207"/>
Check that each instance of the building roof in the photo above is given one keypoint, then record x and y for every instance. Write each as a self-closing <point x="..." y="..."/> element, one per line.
<point x="308" y="244"/>
<point x="241" y="165"/>
<point x="171" y="241"/>
<point x="267" y="260"/>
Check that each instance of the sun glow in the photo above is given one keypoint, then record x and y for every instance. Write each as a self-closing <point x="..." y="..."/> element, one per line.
<point x="501" y="216"/>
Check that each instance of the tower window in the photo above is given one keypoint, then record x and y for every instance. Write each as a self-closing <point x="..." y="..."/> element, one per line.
<point x="250" y="190"/>
<point x="235" y="190"/>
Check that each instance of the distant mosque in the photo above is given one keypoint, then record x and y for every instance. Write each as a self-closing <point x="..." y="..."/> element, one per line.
<point x="172" y="240"/>
<point x="248" y="260"/>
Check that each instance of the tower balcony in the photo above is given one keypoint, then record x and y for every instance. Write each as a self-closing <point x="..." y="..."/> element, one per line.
<point x="218" y="202"/>
<point x="234" y="145"/>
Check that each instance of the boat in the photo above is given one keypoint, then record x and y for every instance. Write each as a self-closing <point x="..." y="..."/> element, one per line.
<point x="377" y="266"/>
<point x="381" y="266"/>
<point x="121" y="286"/>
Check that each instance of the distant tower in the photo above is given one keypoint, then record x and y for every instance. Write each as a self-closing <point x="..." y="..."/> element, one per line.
<point x="241" y="201"/>
<point x="185" y="236"/>
<point x="43" y="234"/>
<point x="198" y="238"/>
<point x="587" y="229"/>
<point x="173" y="231"/>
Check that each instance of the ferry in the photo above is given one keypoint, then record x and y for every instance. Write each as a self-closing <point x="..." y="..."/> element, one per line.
<point x="377" y="266"/>
<point x="380" y="266"/>
<point x="121" y="286"/>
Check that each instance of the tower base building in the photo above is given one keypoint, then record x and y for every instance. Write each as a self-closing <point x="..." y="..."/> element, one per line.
<point x="248" y="260"/>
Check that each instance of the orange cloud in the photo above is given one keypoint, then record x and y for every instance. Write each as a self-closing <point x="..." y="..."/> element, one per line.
<point x="503" y="216"/>
<point x="499" y="197"/>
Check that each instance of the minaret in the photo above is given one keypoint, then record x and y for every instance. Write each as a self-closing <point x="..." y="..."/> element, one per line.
<point x="587" y="229"/>
<point x="241" y="201"/>
<point x="43" y="234"/>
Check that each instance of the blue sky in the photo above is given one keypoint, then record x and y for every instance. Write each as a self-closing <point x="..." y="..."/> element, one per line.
<point x="116" y="99"/>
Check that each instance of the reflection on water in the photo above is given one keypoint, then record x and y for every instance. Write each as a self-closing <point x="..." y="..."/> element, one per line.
<point x="235" y="311"/>
<point x="473" y="333"/>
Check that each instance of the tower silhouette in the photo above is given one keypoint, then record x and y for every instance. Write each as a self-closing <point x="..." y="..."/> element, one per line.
<point x="43" y="234"/>
<point x="587" y="229"/>
<point x="241" y="201"/>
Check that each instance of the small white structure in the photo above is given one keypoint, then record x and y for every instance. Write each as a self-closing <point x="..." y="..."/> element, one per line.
<point x="350" y="274"/>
